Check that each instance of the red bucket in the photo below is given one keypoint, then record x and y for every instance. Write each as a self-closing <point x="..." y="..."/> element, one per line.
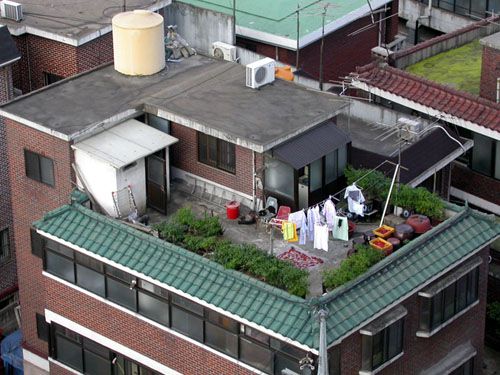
<point x="232" y="210"/>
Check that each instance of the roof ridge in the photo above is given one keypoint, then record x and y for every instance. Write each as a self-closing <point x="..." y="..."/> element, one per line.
<point x="175" y="248"/>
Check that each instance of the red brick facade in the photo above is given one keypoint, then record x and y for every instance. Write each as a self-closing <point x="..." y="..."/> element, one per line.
<point x="185" y="157"/>
<point x="422" y="353"/>
<point x="490" y="73"/>
<point x="342" y="52"/>
<point x="30" y="201"/>
<point x="136" y="334"/>
<point x="6" y="89"/>
<point x="41" y="55"/>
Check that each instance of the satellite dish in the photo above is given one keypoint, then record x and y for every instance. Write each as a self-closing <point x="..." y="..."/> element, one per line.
<point x="218" y="54"/>
<point x="260" y="74"/>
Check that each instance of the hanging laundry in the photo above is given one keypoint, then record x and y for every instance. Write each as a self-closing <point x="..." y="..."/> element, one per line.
<point x="355" y="199"/>
<point x="321" y="237"/>
<point x="312" y="218"/>
<point x="329" y="212"/>
<point x="300" y="220"/>
<point x="340" y="229"/>
<point x="289" y="231"/>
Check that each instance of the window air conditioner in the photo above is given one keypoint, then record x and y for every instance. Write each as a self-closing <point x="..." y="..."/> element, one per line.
<point x="260" y="73"/>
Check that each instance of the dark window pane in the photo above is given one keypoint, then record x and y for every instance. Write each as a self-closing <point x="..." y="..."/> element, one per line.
<point x="95" y="348"/>
<point x="47" y="171"/>
<point x="478" y="8"/>
<point x="42" y="327"/>
<point x="366" y="350"/>
<point x="482" y="154"/>
<point x="395" y="337"/>
<point x="290" y="350"/>
<point x="32" y="165"/>
<point x="187" y="323"/>
<point x="58" y="248"/>
<point x="437" y="310"/>
<point x="212" y="150"/>
<point x="89" y="262"/>
<point x="472" y="280"/>
<point x="121" y="293"/>
<point x="256" y="335"/>
<point x="60" y="266"/>
<point x="153" y="308"/>
<point x="283" y="362"/>
<point x="461" y="301"/>
<point x="153" y="288"/>
<point x="334" y="360"/>
<point x="227" y="156"/>
<point x="187" y="304"/>
<point x="202" y="147"/>
<point x="221" y="339"/>
<point x="378" y="350"/>
<point x="227" y="323"/>
<point x="96" y="365"/>
<point x="90" y="280"/>
<point x="4" y="244"/>
<point x="256" y="355"/>
<point x="425" y="314"/>
<point x="119" y="274"/>
<point x="449" y="302"/>
<point x="69" y="353"/>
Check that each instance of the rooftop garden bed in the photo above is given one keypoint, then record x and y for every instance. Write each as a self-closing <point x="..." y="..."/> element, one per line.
<point x="204" y="237"/>
<point x="376" y="186"/>
<point x="459" y="68"/>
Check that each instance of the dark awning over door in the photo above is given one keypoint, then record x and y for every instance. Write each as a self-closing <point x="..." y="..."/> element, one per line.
<point x="311" y="145"/>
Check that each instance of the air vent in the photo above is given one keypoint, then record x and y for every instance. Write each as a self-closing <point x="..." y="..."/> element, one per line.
<point x="11" y="10"/>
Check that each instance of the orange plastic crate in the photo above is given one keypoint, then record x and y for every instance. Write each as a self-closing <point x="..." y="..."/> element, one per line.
<point x="384" y="231"/>
<point x="382" y="245"/>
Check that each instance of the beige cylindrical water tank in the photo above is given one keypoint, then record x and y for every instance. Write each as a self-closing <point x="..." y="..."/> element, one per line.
<point x="138" y="42"/>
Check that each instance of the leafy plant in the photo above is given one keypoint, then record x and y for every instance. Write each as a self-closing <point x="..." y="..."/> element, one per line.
<point x="376" y="185"/>
<point x="352" y="267"/>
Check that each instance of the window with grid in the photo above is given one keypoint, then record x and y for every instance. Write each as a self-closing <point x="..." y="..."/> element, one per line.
<point x="441" y="304"/>
<point x="216" y="153"/>
<point x="39" y="168"/>
<point x="4" y="245"/>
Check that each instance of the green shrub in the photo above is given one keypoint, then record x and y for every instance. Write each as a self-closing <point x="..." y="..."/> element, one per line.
<point x="207" y="227"/>
<point x="171" y="231"/>
<point x="376" y="185"/>
<point x="352" y="267"/>
<point x="249" y="259"/>
<point x="199" y="244"/>
<point x="493" y="311"/>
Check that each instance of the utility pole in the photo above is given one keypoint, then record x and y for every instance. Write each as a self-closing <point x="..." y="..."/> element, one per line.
<point x="124" y="5"/>
<point x="298" y="37"/>
<point x="322" y="48"/>
<point x="234" y="22"/>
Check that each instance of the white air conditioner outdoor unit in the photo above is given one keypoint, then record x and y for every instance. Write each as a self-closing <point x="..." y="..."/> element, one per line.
<point x="410" y="129"/>
<point x="223" y="51"/>
<point x="260" y="73"/>
<point x="11" y="10"/>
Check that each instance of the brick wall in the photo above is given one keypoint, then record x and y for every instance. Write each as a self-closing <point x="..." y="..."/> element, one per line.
<point x="422" y="353"/>
<point x="342" y="53"/>
<point x="136" y="334"/>
<point x="490" y="72"/>
<point x="185" y="157"/>
<point x="39" y="55"/>
<point x="30" y="201"/>
<point x="6" y="89"/>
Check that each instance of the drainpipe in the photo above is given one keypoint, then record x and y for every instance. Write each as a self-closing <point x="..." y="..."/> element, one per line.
<point x="429" y="8"/>
<point x="498" y="90"/>
<point x="254" y="182"/>
<point x="323" y="352"/>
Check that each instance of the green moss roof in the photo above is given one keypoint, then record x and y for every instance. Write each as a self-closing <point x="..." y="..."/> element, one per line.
<point x="459" y="68"/>
<point x="350" y="306"/>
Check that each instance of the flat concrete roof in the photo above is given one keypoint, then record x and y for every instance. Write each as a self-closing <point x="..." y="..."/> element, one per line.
<point x="200" y="92"/>
<point x="73" y="22"/>
<point x="492" y="41"/>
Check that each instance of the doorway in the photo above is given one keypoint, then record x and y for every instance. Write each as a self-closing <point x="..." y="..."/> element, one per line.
<point x="156" y="181"/>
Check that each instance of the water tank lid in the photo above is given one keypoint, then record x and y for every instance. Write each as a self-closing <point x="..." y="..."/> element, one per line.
<point x="137" y="19"/>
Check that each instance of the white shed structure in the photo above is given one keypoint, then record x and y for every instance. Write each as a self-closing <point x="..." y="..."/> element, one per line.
<point x="130" y="154"/>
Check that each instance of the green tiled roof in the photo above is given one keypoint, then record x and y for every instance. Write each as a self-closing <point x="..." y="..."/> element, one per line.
<point x="278" y="17"/>
<point x="292" y="317"/>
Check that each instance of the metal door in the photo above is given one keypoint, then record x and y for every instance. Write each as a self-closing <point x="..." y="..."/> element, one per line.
<point x="156" y="182"/>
